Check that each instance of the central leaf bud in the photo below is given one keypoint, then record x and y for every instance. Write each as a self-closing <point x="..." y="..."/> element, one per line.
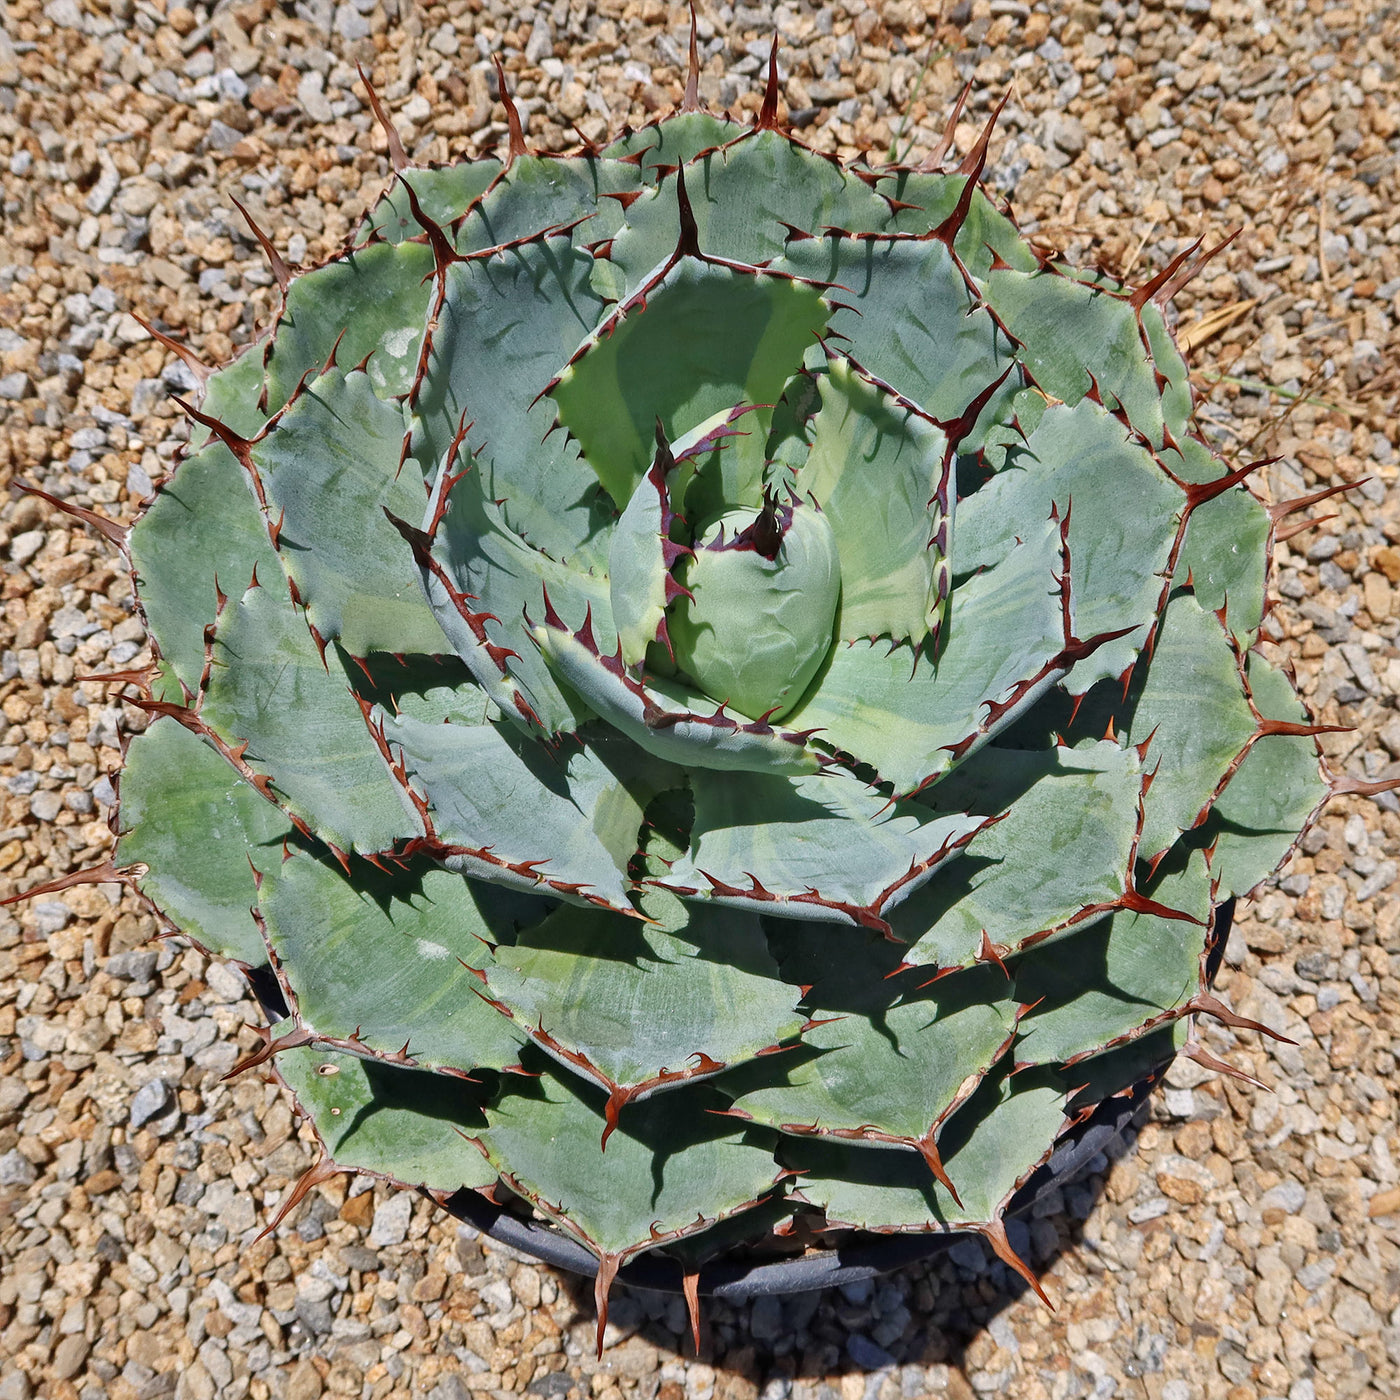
<point x="761" y="619"/>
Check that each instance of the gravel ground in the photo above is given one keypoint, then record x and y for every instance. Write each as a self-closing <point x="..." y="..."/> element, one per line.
<point x="1246" y="1248"/>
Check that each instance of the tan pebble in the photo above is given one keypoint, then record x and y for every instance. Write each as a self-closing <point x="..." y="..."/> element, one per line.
<point x="217" y="1324"/>
<point x="1270" y="1296"/>
<point x="1384" y="1203"/>
<point x="266" y="98"/>
<point x="635" y="1357"/>
<point x="525" y="1284"/>
<point x="359" y="1210"/>
<point x="182" y="20"/>
<point x="68" y="1356"/>
<point x="1194" y="1140"/>
<point x="959" y="1388"/>
<point x="57" y="572"/>
<point x="573" y="101"/>
<point x="1034" y="30"/>
<point x="1378" y="596"/>
<point x="1181" y="1188"/>
<point x="1387" y="560"/>
<point x="1264" y="938"/>
<point x="99" y="1183"/>
<point x="345" y="1379"/>
<point x="304" y="1383"/>
<point x="430" y="1287"/>
<point x="27" y="512"/>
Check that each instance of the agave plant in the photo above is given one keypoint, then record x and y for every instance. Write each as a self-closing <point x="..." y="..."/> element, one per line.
<point x="722" y="684"/>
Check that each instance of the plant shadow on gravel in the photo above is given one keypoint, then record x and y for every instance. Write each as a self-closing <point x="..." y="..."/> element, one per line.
<point x="941" y="1305"/>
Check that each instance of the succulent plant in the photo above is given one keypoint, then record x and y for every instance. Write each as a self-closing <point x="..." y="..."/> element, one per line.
<point x="722" y="684"/>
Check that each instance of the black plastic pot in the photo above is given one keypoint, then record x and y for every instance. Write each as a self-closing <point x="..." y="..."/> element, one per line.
<point x="865" y="1256"/>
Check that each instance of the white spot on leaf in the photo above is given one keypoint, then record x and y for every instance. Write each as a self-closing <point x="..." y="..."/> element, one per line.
<point x="398" y="343"/>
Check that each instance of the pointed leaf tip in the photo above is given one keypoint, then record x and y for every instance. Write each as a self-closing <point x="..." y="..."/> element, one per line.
<point x="929" y="1152"/>
<point x="108" y="528"/>
<point x="1182" y="278"/>
<point x="517" y="134"/>
<point x="1281" y="509"/>
<point x="276" y="262"/>
<point x="767" y="119"/>
<point x="690" y="1282"/>
<point x="995" y="1235"/>
<point x="397" y="158"/>
<point x="976" y="158"/>
<point x="1358" y="787"/>
<point x="1155" y="284"/>
<point x="193" y="363"/>
<point x="945" y="142"/>
<point x="602" y="1288"/>
<point x="104" y="874"/>
<point x="1197" y="1052"/>
<point x="316" y="1173"/>
<point x="690" y="102"/>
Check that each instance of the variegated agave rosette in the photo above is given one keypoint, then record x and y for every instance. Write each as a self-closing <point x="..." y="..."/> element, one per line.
<point x="727" y="682"/>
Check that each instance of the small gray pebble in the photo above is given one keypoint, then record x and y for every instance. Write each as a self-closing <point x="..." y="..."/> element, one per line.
<point x="138" y="965"/>
<point x="26" y="545"/>
<point x="52" y="915"/>
<point x="554" y="1384"/>
<point x="1288" y="1196"/>
<point x="766" y="1319"/>
<point x="391" y="1219"/>
<point x="866" y="1354"/>
<point x="314" y="1316"/>
<point x="968" y="1254"/>
<point x="149" y="1102"/>
<point x="1149" y="1210"/>
<point x="453" y="1387"/>
<point x="16" y="1169"/>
